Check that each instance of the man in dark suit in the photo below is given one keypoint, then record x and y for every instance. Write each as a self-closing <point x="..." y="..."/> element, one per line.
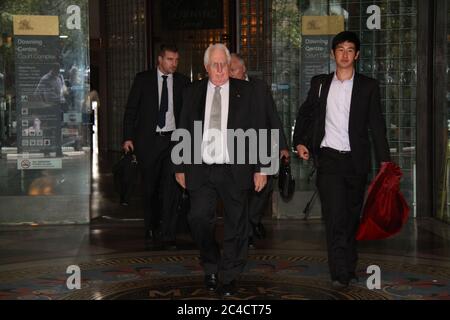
<point x="210" y="108"/>
<point x="151" y="115"/>
<point x="258" y="201"/>
<point x="333" y="124"/>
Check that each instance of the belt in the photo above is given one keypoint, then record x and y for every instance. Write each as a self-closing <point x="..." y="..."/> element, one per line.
<point x="163" y="133"/>
<point x="335" y="151"/>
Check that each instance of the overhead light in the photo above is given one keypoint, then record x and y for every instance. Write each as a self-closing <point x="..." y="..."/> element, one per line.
<point x="63" y="37"/>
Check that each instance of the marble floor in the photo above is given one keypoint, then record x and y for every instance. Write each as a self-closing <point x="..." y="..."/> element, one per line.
<point x="290" y="263"/>
<point x="115" y="263"/>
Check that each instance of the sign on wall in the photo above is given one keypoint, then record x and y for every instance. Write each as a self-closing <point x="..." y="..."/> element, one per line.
<point x="317" y="32"/>
<point x="40" y="88"/>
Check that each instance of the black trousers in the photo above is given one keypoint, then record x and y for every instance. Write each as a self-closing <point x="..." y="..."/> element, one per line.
<point x="160" y="190"/>
<point x="202" y="221"/>
<point x="258" y="202"/>
<point x="341" y="192"/>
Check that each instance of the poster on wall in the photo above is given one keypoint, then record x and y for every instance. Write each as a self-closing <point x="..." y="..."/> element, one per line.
<point x="40" y="88"/>
<point x="317" y="35"/>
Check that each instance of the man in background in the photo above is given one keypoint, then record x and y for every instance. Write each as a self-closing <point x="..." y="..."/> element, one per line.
<point x="151" y="115"/>
<point x="51" y="88"/>
<point x="259" y="201"/>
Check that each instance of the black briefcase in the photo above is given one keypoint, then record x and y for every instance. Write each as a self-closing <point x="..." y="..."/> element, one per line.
<point x="125" y="173"/>
<point x="286" y="182"/>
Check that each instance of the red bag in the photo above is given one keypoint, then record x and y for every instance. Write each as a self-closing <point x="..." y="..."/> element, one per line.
<point x="385" y="211"/>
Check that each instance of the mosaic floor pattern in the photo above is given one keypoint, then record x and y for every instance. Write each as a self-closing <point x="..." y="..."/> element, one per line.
<point x="169" y="275"/>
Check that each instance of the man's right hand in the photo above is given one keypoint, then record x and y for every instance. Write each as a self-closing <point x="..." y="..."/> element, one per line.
<point x="303" y="152"/>
<point x="128" y="146"/>
<point x="181" y="179"/>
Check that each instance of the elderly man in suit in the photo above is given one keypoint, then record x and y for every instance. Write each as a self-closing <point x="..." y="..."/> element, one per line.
<point x="151" y="115"/>
<point x="333" y="125"/>
<point x="258" y="201"/>
<point x="220" y="104"/>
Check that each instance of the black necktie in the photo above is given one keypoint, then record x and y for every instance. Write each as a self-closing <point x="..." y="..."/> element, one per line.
<point x="164" y="106"/>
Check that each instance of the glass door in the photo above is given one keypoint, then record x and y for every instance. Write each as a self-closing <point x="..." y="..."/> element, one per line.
<point x="45" y="129"/>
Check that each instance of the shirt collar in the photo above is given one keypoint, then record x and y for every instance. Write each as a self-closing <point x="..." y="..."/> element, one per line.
<point x="335" y="78"/>
<point x="160" y="74"/>
<point x="224" y="86"/>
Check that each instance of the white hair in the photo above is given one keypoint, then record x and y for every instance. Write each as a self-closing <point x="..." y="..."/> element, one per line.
<point x="213" y="47"/>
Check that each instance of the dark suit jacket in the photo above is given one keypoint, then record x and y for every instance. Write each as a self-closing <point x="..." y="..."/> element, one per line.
<point x="141" y="114"/>
<point x="265" y="100"/>
<point x="241" y="115"/>
<point x="365" y="114"/>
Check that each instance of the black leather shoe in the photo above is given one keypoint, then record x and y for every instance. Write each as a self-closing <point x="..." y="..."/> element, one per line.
<point x="251" y="244"/>
<point x="152" y="235"/>
<point x="123" y="201"/>
<point x="341" y="282"/>
<point x="149" y="235"/>
<point x="336" y="284"/>
<point x="229" y="289"/>
<point x="170" y="245"/>
<point x="259" y="231"/>
<point x="211" y="281"/>
<point x="353" y="278"/>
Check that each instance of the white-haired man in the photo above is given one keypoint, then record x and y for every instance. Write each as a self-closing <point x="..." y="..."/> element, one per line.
<point x="220" y="103"/>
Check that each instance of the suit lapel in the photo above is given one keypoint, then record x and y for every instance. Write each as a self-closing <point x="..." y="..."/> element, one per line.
<point x="154" y="99"/>
<point x="324" y="93"/>
<point x="175" y="93"/>
<point x="326" y="88"/>
<point x="232" y="104"/>
<point x="355" y="98"/>
<point x="200" y="101"/>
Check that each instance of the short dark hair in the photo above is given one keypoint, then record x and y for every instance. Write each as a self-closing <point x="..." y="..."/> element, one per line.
<point x="346" y="36"/>
<point x="167" y="47"/>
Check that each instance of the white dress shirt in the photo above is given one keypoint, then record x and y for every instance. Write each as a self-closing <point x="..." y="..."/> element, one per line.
<point x="170" y="117"/>
<point x="338" y="114"/>
<point x="220" y="155"/>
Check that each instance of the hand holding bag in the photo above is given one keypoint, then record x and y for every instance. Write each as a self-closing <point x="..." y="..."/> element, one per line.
<point x="385" y="210"/>
<point x="125" y="173"/>
<point x="286" y="182"/>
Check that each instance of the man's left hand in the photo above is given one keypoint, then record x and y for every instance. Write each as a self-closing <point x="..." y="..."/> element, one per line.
<point x="284" y="154"/>
<point x="260" y="181"/>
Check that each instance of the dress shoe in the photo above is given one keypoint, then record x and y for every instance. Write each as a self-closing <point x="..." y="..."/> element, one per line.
<point x="170" y="245"/>
<point x="211" y="281"/>
<point x="259" y="231"/>
<point x="353" y="278"/>
<point x="151" y="235"/>
<point x="228" y="289"/>
<point x="123" y="201"/>
<point x="336" y="284"/>
<point x="251" y="244"/>
<point x="341" y="282"/>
